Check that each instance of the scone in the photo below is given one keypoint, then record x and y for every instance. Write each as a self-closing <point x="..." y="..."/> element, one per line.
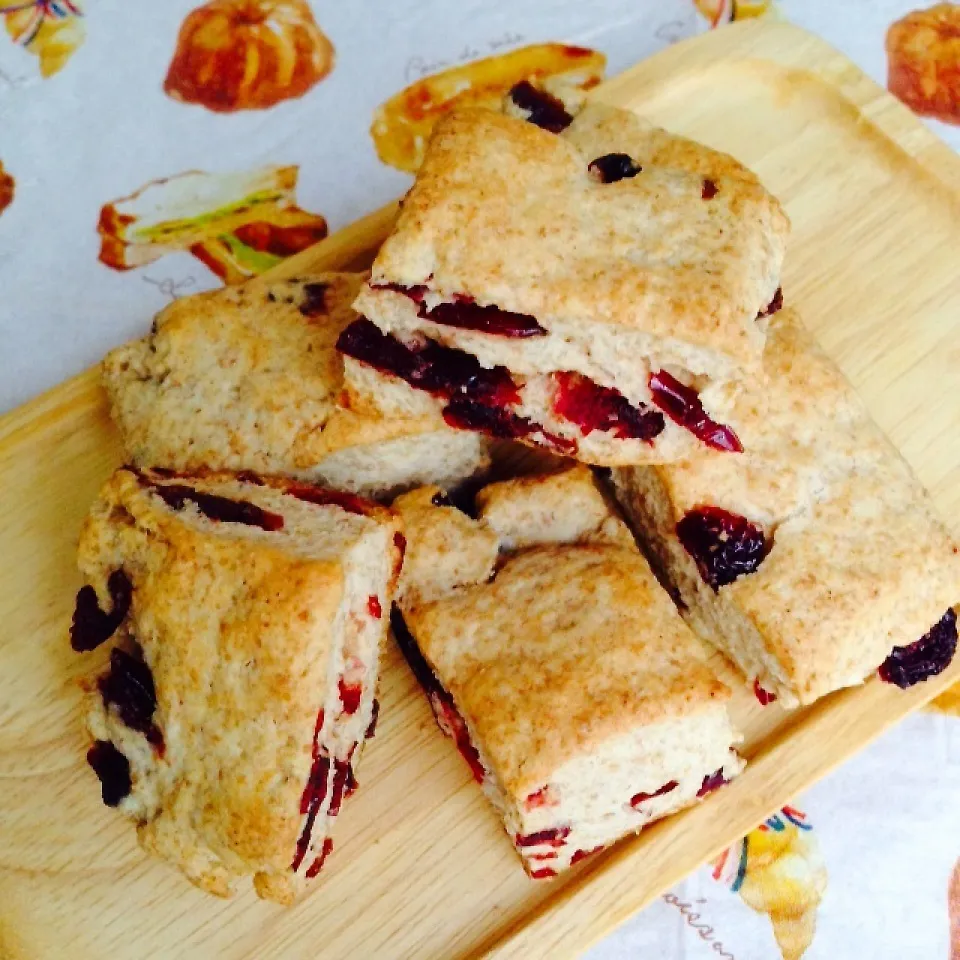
<point x="247" y="378"/>
<point x="559" y="666"/>
<point x="813" y="555"/>
<point x="248" y="616"/>
<point x="553" y="289"/>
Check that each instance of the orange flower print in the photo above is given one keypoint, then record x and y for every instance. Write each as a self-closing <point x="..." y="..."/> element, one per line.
<point x="248" y="55"/>
<point x="237" y="224"/>
<point x="726" y="11"/>
<point x="923" y="61"/>
<point x="402" y="125"/>
<point x="50" y="29"/>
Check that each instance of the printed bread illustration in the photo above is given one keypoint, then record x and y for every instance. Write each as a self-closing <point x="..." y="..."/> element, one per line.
<point x="52" y="31"/>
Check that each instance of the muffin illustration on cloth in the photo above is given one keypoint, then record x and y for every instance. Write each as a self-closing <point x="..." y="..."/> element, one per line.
<point x="50" y="29"/>
<point x="726" y="11"/>
<point x="7" y="186"/>
<point x="238" y="224"/>
<point x="777" y="870"/>
<point x="401" y="126"/>
<point x="248" y="55"/>
<point x="923" y="61"/>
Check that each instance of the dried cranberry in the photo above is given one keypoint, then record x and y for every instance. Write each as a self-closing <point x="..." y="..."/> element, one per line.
<point x="593" y="407"/>
<point x="317" y="864"/>
<point x="373" y="607"/>
<point x="551" y="837"/>
<point x="91" y="626"/>
<point x="495" y="421"/>
<point x="441" y="500"/>
<point x="310" y="802"/>
<point x="342" y="774"/>
<point x="113" y="770"/>
<point x="216" y="508"/>
<point x="583" y="854"/>
<point x="351" y="786"/>
<point x="613" y="167"/>
<point x="129" y="687"/>
<point x="713" y="781"/>
<point x="323" y="497"/>
<point x="764" y="696"/>
<point x="724" y="545"/>
<point x="245" y="476"/>
<point x="709" y="190"/>
<point x="350" y="697"/>
<point x="543" y="874"/>
<point x="773" y="306"/>
<point x="314" y="302"/>
<point x="544" y="797"/>
<point x="549" y="855"/>
<point x="639" y="798"/>
<point x="545" y="111"/>
<point x="400" y="542"/>
<point x="374" y="716"/>
<point x="464" y="314"/>
<point x="682" y="405"/>
<point x="924" y="658"/>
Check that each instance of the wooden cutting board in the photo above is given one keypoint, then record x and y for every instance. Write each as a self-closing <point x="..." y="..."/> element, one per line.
<point x="422" y="868"/>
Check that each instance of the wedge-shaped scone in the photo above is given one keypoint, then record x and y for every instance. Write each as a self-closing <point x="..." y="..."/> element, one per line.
<point x="247" y="378"/>
<point x="813" y="555"/>
<point x="248" y="617"/>
<point x="562" y="670"/>
<point x="550" y="288"/>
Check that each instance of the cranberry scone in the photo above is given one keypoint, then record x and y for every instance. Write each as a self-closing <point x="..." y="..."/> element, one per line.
<point x="247" y="617"/>
<point x="550" y="288"/>
<point x="248" y="378"/>
<point x="814" y="558"/>
<point x="571" y="686"/>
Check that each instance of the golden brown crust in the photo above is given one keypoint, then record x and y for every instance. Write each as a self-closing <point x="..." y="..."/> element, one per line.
<point x="236" y="626"/>
<point x="566" y="647"/>
<point x="508" y="214"/>
<point x="860" y="560"/>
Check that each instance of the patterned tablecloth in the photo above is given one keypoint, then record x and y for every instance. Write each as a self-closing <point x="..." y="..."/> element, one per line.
<point x="151" y="150"/>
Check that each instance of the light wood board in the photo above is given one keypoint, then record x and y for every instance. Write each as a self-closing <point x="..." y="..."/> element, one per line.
<point x="422" y="868"/>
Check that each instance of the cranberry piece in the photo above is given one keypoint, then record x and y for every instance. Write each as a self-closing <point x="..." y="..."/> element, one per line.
<point x="314" y="302"/>
<point x="764" y="696"/>
<point x="639" y="798"/>
<point x="323" y="497"/>
<point x="350" y="697"/>
<point x="342" y="775"/>
<point x="543" y="874"/>
<point x="91" y="626"/>
<point x="593" y="407"/>
<point x="545" y="110"/>
<point x="113" y="770"/>
<point x="352" y="785"/>
<point x="713" y="781"/>
<point x="373" y="607"/>
<point x="400" y="542"/>
<point x="613" y="167"/>
<point x="583" y="854"/>
<point x="709" y="190"/>
<point x="724" y="545"/>
<point x="246" y="476"/>
<point x="544" y="797"/>
<point x="374" y="716"/>
<point x="310" y="803"/>
<point x="682" y="405"/>
<point x="924" y="658"/>
<point x="317" y="864"/>
<point x="441" y="500"/>
<point x="549" y="855"/>
<point x="469" y="415"/>
<point x="551" y="837"/>
<point x="129" y="687"/>
<point x="464" y="314"/>
<point x="773" y="306"/>
<point x="219" y="509"/>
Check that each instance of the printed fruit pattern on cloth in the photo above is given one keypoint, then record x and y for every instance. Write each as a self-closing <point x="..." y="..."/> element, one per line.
<point x="237" y="224"/>
<point x="402" y="125"/>
<point x="777" y="869"/>
<point x="7" y="186"/>
<point x="923" y="61"/>
<point x="248" y="55"/>
<point x="50" y="29"/>
<point x="726" y="11"/>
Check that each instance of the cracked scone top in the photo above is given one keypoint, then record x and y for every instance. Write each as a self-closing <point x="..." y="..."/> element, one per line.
<point x="528" y="292"/>
<point x="813" y="554"/>
<point x="248" y="378"/>
<point x="248" y="617"/>
<point x="581" y="701"/>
